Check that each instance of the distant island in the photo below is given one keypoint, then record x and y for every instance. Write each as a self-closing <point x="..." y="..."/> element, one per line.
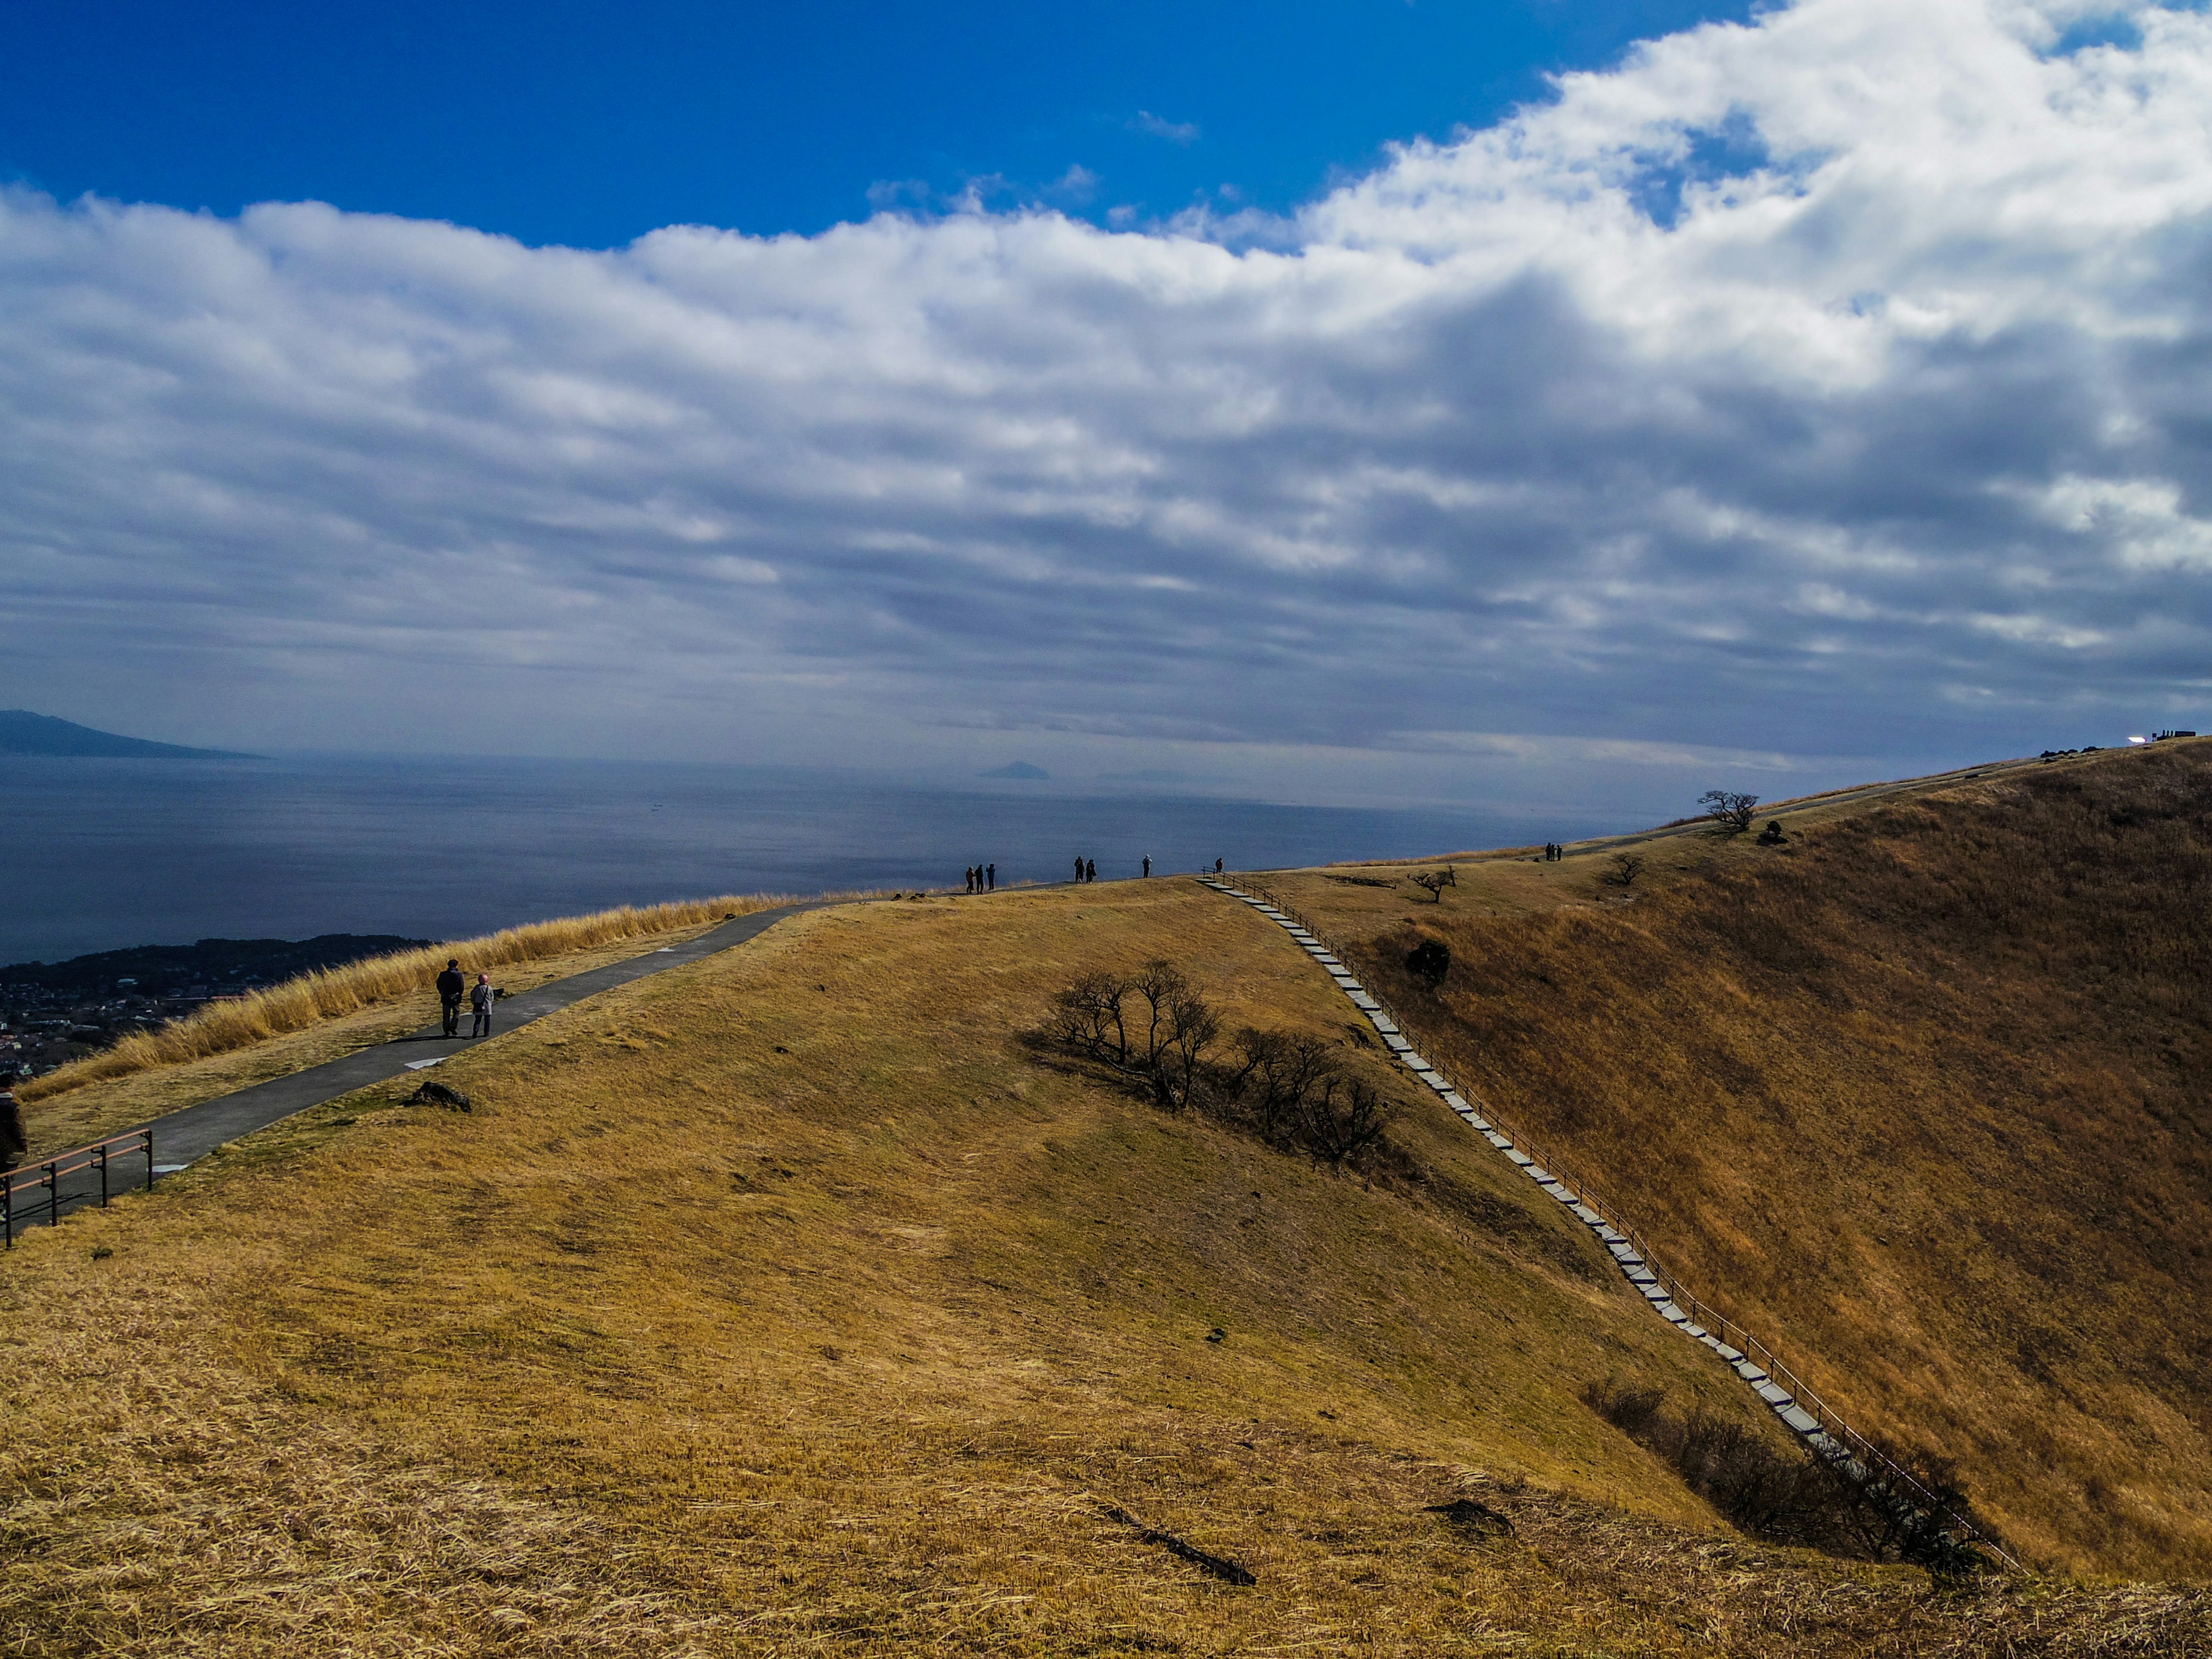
<point x="22" y="733"/>
<point x="1021" y="769"/>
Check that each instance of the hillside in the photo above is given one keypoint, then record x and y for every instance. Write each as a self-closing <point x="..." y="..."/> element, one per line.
<point x="1921" y="1091"/>
<point x="790" y="1301"/>
<point x="22" y="733"/>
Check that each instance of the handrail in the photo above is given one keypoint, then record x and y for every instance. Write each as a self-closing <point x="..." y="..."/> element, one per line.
<point x="1857" y="1456"/>
<point x="46" y="1176"/>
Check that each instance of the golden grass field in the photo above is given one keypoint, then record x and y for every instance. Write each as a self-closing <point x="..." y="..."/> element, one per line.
<point x="1921" y="1094"/>
<point x="786" y="1304"/>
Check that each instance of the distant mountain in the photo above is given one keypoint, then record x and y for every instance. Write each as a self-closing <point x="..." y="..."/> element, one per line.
<point x="22" y="733"/>
<point x="1021" y="769"/>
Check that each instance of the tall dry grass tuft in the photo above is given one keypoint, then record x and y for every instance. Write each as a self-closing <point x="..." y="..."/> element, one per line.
<point x="328" y="993"/>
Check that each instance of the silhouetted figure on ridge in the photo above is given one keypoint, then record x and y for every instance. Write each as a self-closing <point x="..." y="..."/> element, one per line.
<point x="1091" y="869"/>
<point x="990" y="878"/>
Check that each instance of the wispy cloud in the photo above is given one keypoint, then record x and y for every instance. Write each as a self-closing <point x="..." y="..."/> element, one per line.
<point x="1879" y="427"/>
<point x="1175" y="132"/>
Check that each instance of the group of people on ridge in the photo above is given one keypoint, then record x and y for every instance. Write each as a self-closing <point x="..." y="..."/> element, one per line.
<point x="1553" y="852"/>
<point x="983" y="879"/>
<point x="451" y="987"/>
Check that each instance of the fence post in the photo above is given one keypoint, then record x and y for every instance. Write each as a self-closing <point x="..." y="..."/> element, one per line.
<point x="149" y="1136"/>
<point x="99" y="1155"/>
<point x="53" y="1194"/>
<point x="8" y="1208"/>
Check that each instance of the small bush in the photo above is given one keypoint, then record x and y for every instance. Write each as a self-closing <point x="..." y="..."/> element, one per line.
<point x="1429" y="961"/>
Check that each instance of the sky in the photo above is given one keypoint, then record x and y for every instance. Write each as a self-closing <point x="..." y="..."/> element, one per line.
<point x="1522" y="402"/>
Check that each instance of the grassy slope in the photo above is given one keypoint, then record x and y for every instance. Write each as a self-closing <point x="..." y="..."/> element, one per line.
<point x="1926" y="1091"/>
<point x="783" y="1302"/>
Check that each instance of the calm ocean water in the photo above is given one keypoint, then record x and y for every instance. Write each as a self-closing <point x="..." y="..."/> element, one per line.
<point x="99" y="854"/>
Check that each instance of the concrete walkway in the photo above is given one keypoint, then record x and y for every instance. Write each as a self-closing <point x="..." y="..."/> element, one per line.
<point x="184" y="1136"/>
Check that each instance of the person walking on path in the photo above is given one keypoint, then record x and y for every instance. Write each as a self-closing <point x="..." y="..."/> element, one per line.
<point x="970" y="874"/>
<point x="1078" y="869"/>
<point x="480" y="1001"/>
<point x="451" y="985"/>
<point x="14" y="1140"/>
<point x="1148" y="866"/>
<point x="990" y="878"/>
<point x="1091" y="869"/>
<point x="1216" y="866"/>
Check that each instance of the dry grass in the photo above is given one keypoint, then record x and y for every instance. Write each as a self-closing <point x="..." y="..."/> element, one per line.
<point x="1924" y="1093"/>
<point x="300" y="1004"/>
<point x="783" y="1305"/>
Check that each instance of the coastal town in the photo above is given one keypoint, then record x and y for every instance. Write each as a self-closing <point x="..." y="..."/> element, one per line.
<point x="52" y="1013"/>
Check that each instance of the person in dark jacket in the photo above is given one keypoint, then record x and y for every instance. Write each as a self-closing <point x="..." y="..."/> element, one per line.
<point x="451" y="988"/>
<point x="1091" y="869"/>
<point x="13" y="1142"/>
<point x="480" y="1002"/>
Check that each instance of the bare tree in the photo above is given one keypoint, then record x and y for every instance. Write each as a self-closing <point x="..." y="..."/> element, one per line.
<point x="1435" y="881"/>
<point x="1730" y="812"/>
<point x="1178" y="1029"/>
<point x="1087" y="1018"/>
<point x="1274" y="1074"/>
<point x="1154" y="1027"/>
<point x="1626" y="867"/>
<point x="1341" y="1118"/>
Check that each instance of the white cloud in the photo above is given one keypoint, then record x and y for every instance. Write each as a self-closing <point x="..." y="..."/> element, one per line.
<point x="1831" y="374"/>
<point x="1175" y="132"/>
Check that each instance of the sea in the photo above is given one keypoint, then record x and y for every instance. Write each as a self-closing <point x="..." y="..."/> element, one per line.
<point x="99" y="854"/>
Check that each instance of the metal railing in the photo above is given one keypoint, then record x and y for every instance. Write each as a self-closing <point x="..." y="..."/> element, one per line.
<point x="1848" y="1449"/>
<point x="41" y="1183"/>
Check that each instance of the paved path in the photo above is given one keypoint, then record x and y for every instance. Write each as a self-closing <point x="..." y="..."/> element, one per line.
<point x="183" y="1137"/>
<point x="1807" y="1416"/>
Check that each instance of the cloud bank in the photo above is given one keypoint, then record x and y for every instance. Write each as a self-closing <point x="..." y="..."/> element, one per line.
<point x="1829" y="386"/>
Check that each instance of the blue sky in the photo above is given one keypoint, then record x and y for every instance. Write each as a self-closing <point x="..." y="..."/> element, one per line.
<point x="589" y="124"/>
<point x="1789" y="399"/>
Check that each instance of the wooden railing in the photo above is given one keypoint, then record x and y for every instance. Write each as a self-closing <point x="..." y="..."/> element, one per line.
<point x="33" y="1192"/>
